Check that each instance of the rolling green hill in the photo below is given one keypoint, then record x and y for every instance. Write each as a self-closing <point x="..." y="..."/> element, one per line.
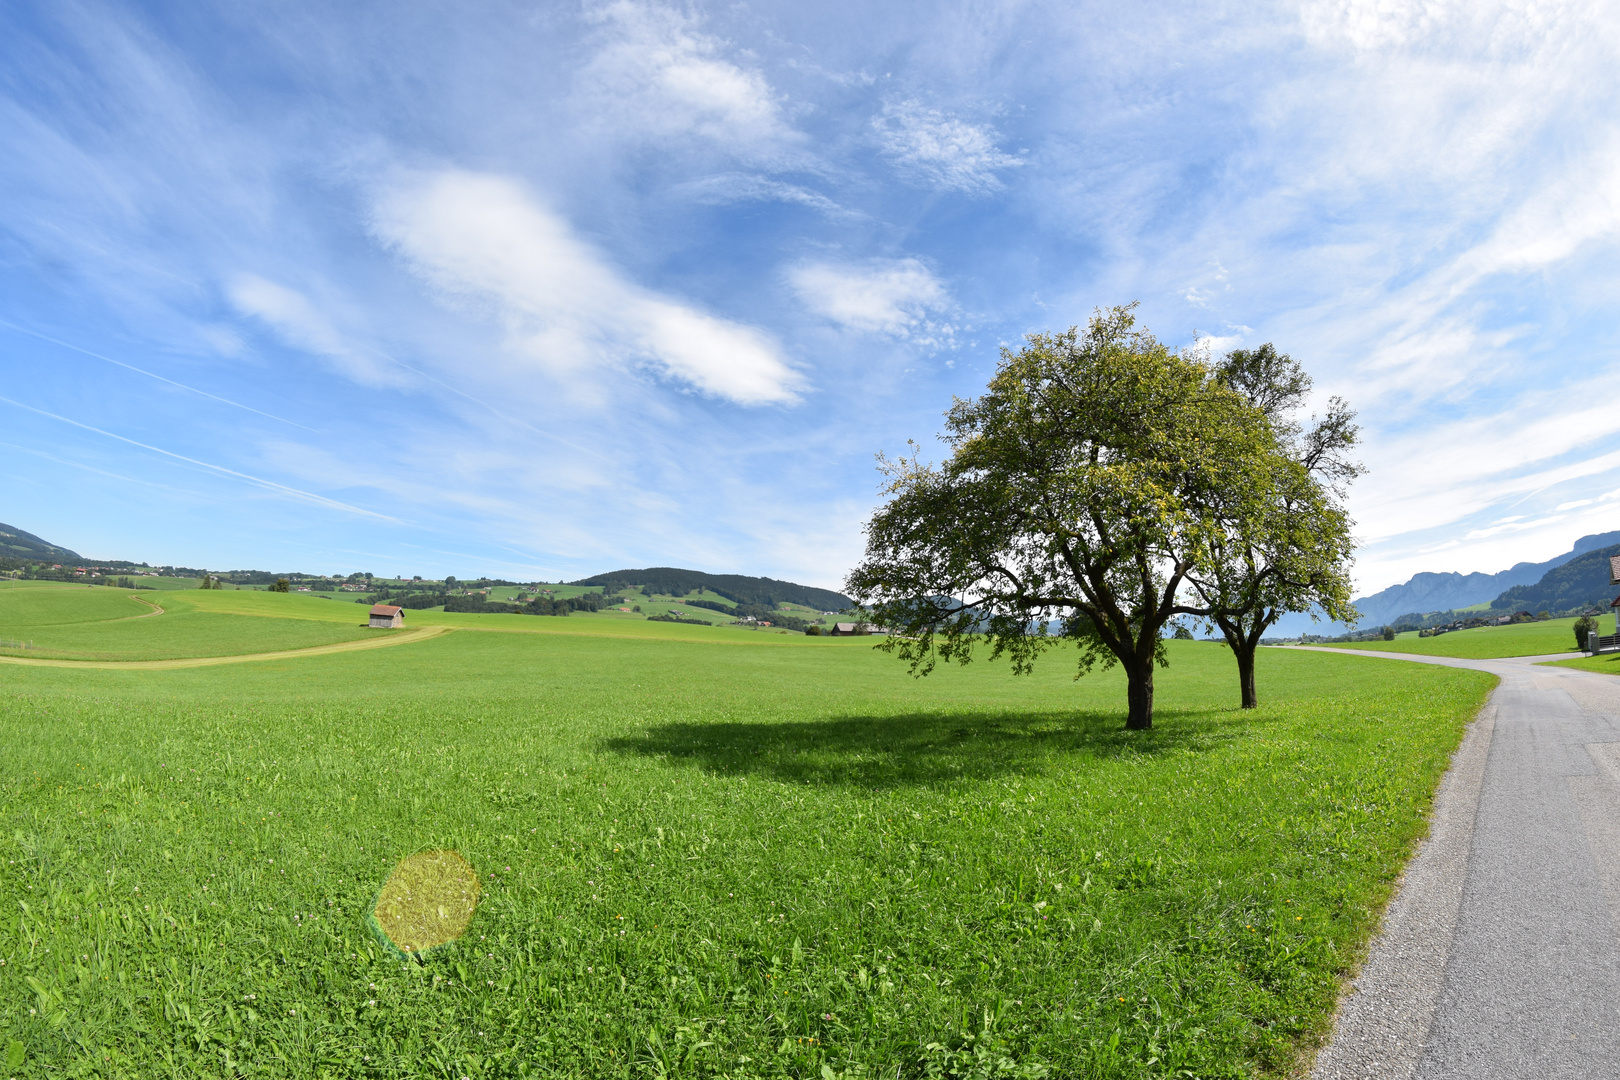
<point x="762" y="591"/>
<point x="16" y="544"/>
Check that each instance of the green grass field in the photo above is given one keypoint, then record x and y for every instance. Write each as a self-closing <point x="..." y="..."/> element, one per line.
<point x="705" y="852"/>
<point x="1482" y="643"/>
<point x="99" y="623"/>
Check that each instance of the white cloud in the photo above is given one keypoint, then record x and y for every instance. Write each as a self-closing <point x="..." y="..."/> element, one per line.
<point x="941" y="151"/>
<point x="299" y="322"/>
<point x="563" y="305"/>
<point x="893" y="296"/>
<point x="748" y="187"/>
<point x="1220" y="344"/>
<point x="657" y="76"/>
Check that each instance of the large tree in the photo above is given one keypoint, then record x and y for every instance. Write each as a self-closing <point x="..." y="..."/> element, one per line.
<point x="1077" y="497"/>
<point x="1293" y="550"/>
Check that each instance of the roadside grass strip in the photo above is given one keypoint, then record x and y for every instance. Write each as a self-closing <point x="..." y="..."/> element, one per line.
<point x="697" y="859"/>
<point x="1604" y="663"/>
<point x="1481" y="642"/>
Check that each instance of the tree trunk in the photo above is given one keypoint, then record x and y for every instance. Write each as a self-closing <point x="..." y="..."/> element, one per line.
<point x="1245" y="662"/>
<point x="1139" y="692"/>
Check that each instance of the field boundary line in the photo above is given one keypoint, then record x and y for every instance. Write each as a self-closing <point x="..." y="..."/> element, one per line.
<point x="391" y="640"/>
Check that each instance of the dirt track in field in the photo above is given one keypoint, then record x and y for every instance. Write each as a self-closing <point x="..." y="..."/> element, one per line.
<point x="406" y="638"/>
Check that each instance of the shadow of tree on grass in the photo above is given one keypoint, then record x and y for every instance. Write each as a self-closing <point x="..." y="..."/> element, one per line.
<point x="912" y="749"/>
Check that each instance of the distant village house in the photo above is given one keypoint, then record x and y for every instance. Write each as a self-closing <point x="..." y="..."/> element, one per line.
<point x="385" y="616"/>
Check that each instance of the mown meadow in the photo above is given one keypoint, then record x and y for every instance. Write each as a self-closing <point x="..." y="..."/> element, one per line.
<point x="1482" y="642"/>
<point x="98" y="623"/>
<point x="705" y="852"/>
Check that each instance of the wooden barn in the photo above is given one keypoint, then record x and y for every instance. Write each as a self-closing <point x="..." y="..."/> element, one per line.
<point x="387" y="615"/>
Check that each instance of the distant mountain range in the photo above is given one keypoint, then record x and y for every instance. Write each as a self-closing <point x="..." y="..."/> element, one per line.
<point x="1427" y="592"/>
<point x="1438" y="592"/>
<point x="16" y="544"/>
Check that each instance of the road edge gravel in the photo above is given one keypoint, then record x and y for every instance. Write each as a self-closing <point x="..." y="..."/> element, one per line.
<point x="1386" y="1009"/>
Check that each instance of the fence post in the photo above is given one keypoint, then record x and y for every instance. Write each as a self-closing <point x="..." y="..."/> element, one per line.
<point x="1591" y="641"/>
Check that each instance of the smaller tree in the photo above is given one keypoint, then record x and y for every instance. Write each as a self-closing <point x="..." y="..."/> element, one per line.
<point x="281" y="585"/>
<point x="1584" y="627"/>
<point x="1284" y="544"/>
<point x="1389" y="633"/>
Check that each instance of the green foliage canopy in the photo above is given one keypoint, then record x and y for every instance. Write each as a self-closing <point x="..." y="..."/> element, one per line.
<point x="1081" y="489"/>
<point x="1285" y="547"/>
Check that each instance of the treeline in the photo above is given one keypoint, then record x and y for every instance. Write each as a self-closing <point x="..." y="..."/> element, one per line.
<point x="760" y="591"/>
<point x="744" y="611"/>
<point x="27" y="570"/>
<point x="478" y="605"/>
<point x="775" y="618"/>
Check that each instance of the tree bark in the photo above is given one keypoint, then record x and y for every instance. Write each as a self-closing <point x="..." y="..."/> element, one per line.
<point x="1245" y="663"/>
<point x="1139" y="693"/>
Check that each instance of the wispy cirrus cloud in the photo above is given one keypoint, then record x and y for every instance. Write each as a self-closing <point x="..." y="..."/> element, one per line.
<point x="657" y="75"/>
<point x="894" y="297"/>
<point x="298" y="321"/>
<point x="564" y="306"/>
<point x="735" y="187"/>
<point x="936" y="149"/>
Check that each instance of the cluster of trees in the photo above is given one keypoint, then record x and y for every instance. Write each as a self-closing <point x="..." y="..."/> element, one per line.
<point x="1104" y="486"/>
<point x="762" y="612"/>
<point x="417" y="601"/>
<point x="775" y="618"/>
<point x="477" y="605"/>
<point x="596" y="601"/>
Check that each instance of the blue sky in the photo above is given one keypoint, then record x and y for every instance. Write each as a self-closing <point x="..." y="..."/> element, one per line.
<point x="538" y="291"/>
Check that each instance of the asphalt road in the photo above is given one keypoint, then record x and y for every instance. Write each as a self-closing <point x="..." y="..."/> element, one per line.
<point x="1500" y="955"/>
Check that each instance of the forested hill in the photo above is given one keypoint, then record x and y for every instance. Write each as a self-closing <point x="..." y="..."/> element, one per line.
<point x="764" y="591"/>
<point x="1581" y="582"/>
<point x="16" y="544"/>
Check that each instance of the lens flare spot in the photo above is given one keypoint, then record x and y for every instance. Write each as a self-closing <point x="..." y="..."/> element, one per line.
<point x="427" y="901"/>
